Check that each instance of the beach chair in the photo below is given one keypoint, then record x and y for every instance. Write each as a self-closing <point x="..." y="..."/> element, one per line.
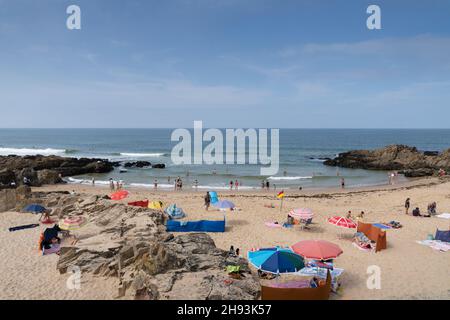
<point x="304" y="224"/>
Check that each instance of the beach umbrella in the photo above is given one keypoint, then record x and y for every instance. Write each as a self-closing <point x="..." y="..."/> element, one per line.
<point x="276" y="260"/>
<point x="35" y="208"/>
<point x="224" y="204"/>
<point x="342" y="222"/>
<point x="119" y="195"/>
<point x="301" y="213"/>
<point x="72" y="223"/>
<point x="317" y="249"/>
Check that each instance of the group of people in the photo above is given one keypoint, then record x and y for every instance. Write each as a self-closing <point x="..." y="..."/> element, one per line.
<point x="235" y="184"/>
<point x="431" y="209"/>
<point x="118" y="185"/>
<point x="265" y="184"/>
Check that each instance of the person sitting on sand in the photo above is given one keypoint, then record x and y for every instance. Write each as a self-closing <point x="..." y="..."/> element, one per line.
<point x="231" y="251"/>
<point x="290" y="220"/>
<point x="416" y="212"/>
<point x="237" y="252"/>
<point x="361" y="215"/>
<point x="349" y="214"/>
<point x="431" y="208"/>
<point x="46" y="215"/>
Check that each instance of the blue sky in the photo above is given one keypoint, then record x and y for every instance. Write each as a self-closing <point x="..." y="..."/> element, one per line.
<point x="230" y="63"/>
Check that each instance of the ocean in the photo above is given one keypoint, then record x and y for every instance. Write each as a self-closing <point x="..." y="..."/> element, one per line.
<point x="301" y="153"/>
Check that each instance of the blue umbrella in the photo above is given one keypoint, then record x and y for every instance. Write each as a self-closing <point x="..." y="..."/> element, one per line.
<point x="276" y="260"/>
<point x="224" y="204"/>
<point x="35" y="208"/>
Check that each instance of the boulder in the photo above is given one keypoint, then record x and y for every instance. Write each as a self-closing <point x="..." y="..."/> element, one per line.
<point x="158" y="166"/>
<point x="47" y="176"/>
<point x="394" y="157"/>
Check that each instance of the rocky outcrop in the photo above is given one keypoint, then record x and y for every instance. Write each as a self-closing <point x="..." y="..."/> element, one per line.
<point x="405" y="159"/>
<point x="158" y="166"/>
<point x="131" y="243"/>
<point x="47" y="169"/>
<point x="137" y="164"/>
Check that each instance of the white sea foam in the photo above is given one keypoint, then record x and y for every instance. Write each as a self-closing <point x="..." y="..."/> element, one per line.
<point x="86" y="181"/>
<point x="290" y="178"/>
<point x="148" y="185"/>
<point x="31" y="151"/>
<point x="140" y="155"/>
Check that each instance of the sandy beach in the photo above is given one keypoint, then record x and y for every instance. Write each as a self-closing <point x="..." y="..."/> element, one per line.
<point x="408" y="269"/>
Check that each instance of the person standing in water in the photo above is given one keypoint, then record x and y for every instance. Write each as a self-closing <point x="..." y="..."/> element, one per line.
<point x="155" y="183"/>
<point x="236" y="185"/>
<point x="93" y="181"/>
<point x="195" y="184"/>
<point x="231" y="184"/>
<point x="342" y="183"/>
<point x="111" y="184"/>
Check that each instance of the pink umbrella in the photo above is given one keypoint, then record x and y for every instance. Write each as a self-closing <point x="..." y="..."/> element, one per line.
<point x="301" y="213"/>
<point x="342" y="222"/>
<point x="317" y="249"/>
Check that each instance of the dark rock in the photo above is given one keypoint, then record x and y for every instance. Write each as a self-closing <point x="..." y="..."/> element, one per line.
<point x="395" y="157"/>
<point x="137" y="164"/>
<point x="159" y="166"/>
<point x="431" y="153"/>
<point x="30" y="166"/>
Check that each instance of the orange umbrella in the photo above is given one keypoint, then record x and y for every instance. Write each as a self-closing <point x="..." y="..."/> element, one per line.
<point x="317" y="249"/>
<point x="119" y="195"/>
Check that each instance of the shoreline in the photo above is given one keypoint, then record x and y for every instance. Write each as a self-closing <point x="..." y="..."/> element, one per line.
<point x="289" y="193"/>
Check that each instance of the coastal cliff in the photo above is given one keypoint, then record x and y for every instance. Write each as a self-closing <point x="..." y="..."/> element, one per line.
<point x="405" y="159"/>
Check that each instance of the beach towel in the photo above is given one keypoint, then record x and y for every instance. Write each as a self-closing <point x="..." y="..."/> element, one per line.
<point x="196" y="226"/>
<point x="55" y="248"/>
<point x="26" y="226"/>
<point x="361" y="248"/>
<point x="444" y="215"/>
<point x="435" y="245"/>
<point x="382" y="226"/>
<point x="233" y="269"/>
<point x="273" y="225"/>
<point x="48" y="221"/>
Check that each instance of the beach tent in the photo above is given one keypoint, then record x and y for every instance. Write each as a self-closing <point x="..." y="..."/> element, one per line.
<point x="374" y="234"/>
<point x="294" y="293"/>
<point x="34" y="208"/>
<point x="276" y="260"/>
<point x="213" y="196"/>
<point x="442" y="236"/>
<point x="196" y="226"/>
<point x="174" y="212"/>
<point x="142" y="203"/>
<point x="157" y="205"/>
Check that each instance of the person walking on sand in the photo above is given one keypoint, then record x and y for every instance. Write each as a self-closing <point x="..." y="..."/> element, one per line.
<point x="263" y="184"/>
<point x="268" y="185"/>
<point x="111" y="184"/>
<point x="231" y="184"/>
<point x="407" y="205"/>
<point x="207" y="201"/>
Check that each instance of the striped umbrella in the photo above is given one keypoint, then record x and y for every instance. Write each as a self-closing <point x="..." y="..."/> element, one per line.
<point x="72" y="223"/>
<point x="342" y="222"/>
<point x="301" y="213"/>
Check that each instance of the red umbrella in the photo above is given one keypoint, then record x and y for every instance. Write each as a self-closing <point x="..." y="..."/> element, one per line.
<point x="342" y="222"/>
<point x="317" y="249"/>
<point x="119" y="195"/>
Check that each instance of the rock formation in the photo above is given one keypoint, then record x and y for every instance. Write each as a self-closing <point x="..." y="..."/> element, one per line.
<point x="47" y="169"/>
<point x="405" y="159"/>
<point x="132" y="243"/>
